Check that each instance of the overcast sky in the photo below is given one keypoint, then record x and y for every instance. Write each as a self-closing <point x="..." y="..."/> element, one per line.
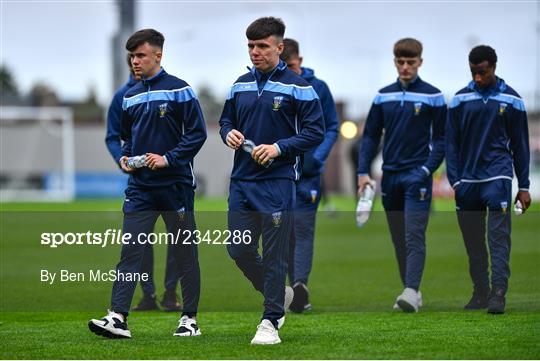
<point x="349" y="44"/>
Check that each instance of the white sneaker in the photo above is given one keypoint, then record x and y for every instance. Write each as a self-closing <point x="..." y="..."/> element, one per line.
<point x="110" y="326"/>
<point x="187" y="327"/>
<point x="396" y="306"/>
<point x="289" y="295"/>
<point x="409" y="300"/>
<point x="266" y="334"/>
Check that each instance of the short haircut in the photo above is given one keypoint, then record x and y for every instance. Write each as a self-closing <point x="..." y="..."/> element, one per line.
<point x="265" y="27"/>
<point x="291" y="49"/>
<point x="150" y="36"/>
<point x="483" y="53"/>
<point x="408" y="48"/>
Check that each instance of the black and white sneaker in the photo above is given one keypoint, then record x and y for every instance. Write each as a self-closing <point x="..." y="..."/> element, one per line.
<point x="187" y="327"/>
<point x="110" y="326"/>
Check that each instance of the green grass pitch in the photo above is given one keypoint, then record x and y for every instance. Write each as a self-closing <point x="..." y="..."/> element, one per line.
<point x="353" y="285"/>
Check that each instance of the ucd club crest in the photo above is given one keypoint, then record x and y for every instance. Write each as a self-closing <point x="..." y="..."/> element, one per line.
<point x="162" y="110"/>
<point x="504" y="206"/>
<point x="423" y="192"/>
<point x="313" y="195"/>
<point x="276" y="219"/>
<point x="502" y="108"/>
<point x="277" y="103"/>
<point x="417" y="108"/>
<point x="182" y="214"/>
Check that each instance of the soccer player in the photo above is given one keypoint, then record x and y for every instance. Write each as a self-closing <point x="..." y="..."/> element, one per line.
<point x="487" y="140"/>
<point x="308" y="188"/>
<point x="412" y="114"/>
<point x="114" y="145"/>
<point x="281" y="114"/>
<point x="161" y="119"/>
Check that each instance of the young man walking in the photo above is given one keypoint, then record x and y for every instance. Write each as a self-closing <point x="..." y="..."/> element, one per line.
<point x="412" y="114"/>
<point x="487" y="141"/>
<point x="162" y="120"/>
<point x="271" y="117"/>
<point x="114" y="145"/>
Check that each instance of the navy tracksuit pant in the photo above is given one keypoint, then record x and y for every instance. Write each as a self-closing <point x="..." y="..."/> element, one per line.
<point x="263" y="208"/>
<point x="475" y="201"/>
<point x="147" y="266"/>
<point x="308" y="196"/>
<point x="406" y="197"/>
<point x="142" y="207"/>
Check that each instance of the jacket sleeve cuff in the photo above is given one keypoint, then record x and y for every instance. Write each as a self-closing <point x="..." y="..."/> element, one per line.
<point x="278" y="149"/>
<point x="166" y="161"/>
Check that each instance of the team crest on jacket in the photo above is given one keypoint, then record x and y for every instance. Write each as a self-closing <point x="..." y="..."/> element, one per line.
<point x="417" y="108"/>
<point x="276" y="219"/>
<point x="504" y="206"/>
<point x="313" y="195"/>
<point x="423" y="192"/>
<point x="277" y="103"/>
<point x="162" y="110"/>
<point x="502" y="108"/>
<point x="181" y="214"/>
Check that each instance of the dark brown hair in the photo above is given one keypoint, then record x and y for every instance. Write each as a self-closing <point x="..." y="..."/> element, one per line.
<point x="265" y="27"/>
<point x="150" y="36"/>
<point x="291" y="49"/>
<point x="408" y="48"/>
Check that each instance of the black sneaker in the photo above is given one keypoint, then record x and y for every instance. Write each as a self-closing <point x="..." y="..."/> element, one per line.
<point x="496" y="302"/>
<point x="170" y="302"/>
<point x="300" y="302"/>
<point x="478" y="301"/>
<point x="110" y="326"/>
<point x="147" y="303"/>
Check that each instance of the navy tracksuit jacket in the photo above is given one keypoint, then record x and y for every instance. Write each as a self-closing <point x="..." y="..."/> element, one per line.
<point x="279" y="108"/>
<point x="487" y="141"/>
<point x="114" y="145"/>
<point x="413" y="121"/>
<point x="161" y="115"/>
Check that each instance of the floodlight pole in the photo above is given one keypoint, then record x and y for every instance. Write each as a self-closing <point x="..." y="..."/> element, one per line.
<point x="126" y="27"/>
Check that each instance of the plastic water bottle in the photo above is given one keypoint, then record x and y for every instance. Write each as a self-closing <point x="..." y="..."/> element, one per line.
<point x="248" y="146"/>
<point x="363" y="208"/>
<point x="136" y="162"/>
<point x="518" y="208"/>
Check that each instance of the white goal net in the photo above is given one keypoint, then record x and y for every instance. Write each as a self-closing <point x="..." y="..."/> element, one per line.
<point x="37" y="161"/>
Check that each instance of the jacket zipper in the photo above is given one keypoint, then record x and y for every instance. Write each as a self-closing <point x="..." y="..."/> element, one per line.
<point x="257" y="82"/>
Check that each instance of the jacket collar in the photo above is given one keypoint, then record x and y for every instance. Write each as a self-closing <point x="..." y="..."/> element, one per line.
<point x="281" y="67"/>
<point x="154" y="78"/>
<point x="496" y="88"/>
<point x="412" y="84"/>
